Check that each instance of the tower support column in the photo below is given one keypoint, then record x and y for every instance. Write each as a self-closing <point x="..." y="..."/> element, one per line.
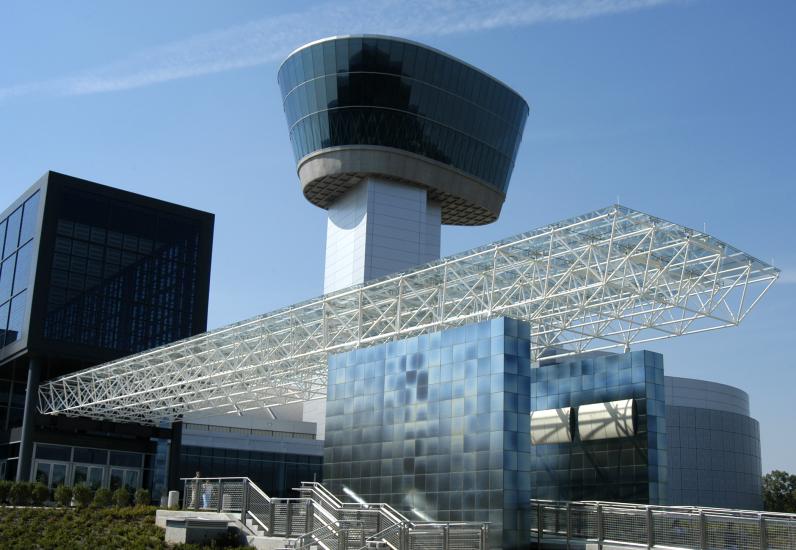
<point x="28" y="420"/>
<point x="377" y="228"/>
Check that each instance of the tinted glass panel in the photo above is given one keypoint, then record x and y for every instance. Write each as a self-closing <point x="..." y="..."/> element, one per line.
<point x="12" y="232"/>
<point x="91" y="456"/>
<point x="3" y="321"/>
<point x="58" y="475"/>
<point x="7" y="278"/>
<point x="29" y="218"/>
<point x="53" y="452"/>
<point x="116" y="479"/>
<point x="119" y="458"/>
<point x="23" y="267"/>
<point x="43" y="473"/>
<point x="384" y="92"/>
<point x="16" y="317"/>
<point x="124" y="277"/>
<point x="15" y="271"/>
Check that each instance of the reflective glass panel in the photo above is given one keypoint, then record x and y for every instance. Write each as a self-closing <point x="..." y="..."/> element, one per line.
<point x="58" y="475"/>
<point x="131" y="480"/>
<point x="23" y="268"/>
<point x="116" y="479"/>
<point x="29" y="218"/>
<point x="16" y="317"/>
<point x="43" y="473"/>
<point x="12" y="232"/>
<point x="389" y="93"/>
<point x="7" y="278"/>
<point x="80" y="475"/>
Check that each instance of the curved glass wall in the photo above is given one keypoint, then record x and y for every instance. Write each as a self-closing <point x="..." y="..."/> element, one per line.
<point x="392" y="93"/>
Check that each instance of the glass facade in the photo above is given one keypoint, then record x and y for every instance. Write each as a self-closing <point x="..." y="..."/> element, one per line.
<point x="438" y="423"/>
<point x="56" y="465"/>
<point x="88" y="274"/>
<point x="275" y="473"/>
<point x="12" y="401"/>
<point x="123" y="277"/>
<point x="626" y="469"/>
<point x="394" y="93"/>
<point x="17" y="241"/>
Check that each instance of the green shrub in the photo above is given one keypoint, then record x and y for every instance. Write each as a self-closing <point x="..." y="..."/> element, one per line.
<point x="121" y="497"/>
<point x="142" y="497"/>
<point x="39" y="493"/>
<point x="82" y="494"/>
<point x="5" y="488"/>
<point x="102" y="498"/>
<point x="63" y="495"/>
<point x="20" y="493"/>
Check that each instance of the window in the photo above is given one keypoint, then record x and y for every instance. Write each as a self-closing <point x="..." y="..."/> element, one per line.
<point x="123" y="278"/>
<point x="29" y="218"/>
<point x="90" y="475"/>
<point x="119" y="458"/>
<point x="12" y="233"/>
<point x="53" y="452"/>
<point x="124" y="478"/>
<point x="91" y="456"/>
<point x="50" y="474"/>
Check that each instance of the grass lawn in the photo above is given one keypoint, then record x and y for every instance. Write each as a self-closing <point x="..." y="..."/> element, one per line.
<point x="86" y="528"/>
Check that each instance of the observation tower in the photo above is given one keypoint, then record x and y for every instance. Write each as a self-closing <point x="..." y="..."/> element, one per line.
<point x="394" y="139"/>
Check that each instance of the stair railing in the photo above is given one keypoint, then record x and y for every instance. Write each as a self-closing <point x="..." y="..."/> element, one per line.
<point x="319" y="518"/>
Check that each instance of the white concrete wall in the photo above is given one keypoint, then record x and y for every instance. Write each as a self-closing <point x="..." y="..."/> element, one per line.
<point x="315" y="413"/>
<point x="285" y="418"/>
<point x="379" y="228"/>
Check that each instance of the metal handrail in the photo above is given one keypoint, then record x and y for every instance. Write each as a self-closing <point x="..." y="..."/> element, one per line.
<point x="382" y="535"/>
<point x="653" y="526"/>
<point x="344" y="525"/>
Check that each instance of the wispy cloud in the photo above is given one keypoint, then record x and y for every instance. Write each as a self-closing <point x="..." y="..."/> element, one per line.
<point x="271" y="39"/>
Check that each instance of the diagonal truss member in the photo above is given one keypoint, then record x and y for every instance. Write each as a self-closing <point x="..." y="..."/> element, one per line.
<point x="603" y="280"/>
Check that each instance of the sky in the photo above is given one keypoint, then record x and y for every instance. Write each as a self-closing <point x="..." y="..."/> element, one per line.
<point x="681" y="108"/>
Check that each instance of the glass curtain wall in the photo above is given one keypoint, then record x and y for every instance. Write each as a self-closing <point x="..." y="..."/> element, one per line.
<point x="393" y="93"/>
<point x="17" y="233"/>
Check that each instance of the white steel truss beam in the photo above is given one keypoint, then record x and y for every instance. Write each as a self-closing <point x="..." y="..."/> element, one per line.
<point x="606" y="279"/>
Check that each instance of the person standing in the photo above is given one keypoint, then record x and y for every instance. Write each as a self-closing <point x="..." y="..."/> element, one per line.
<point x="194" y="502"/>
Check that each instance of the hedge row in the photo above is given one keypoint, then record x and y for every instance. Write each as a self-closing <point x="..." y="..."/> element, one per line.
<point x="23" y="493"/>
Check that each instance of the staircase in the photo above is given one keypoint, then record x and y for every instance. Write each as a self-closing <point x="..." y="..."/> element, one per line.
<point x="318" y="520"/>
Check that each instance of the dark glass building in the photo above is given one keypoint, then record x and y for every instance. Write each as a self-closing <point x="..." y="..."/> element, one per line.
<point x="89" y="274"/>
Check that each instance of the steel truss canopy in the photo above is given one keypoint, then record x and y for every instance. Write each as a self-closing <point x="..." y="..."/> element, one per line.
<point x="604" y="280"/>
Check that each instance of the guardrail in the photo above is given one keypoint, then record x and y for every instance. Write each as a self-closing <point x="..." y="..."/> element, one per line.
<point x="382" y="523"/>
<point x="320" y="519"/>
<point x="279" y="517"/>
<point x="673" y="527"/>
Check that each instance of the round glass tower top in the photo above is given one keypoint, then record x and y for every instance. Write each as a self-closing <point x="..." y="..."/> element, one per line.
<point x="371" y="105"/>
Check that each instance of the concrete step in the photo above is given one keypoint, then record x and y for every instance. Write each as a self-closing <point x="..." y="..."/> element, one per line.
<point x="255" y="527"/>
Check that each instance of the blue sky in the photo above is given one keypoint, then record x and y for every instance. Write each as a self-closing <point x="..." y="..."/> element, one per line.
<point x="684" y="109"/>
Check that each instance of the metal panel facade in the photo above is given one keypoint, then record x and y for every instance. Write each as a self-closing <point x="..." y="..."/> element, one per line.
<point x="438" y="424"/>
